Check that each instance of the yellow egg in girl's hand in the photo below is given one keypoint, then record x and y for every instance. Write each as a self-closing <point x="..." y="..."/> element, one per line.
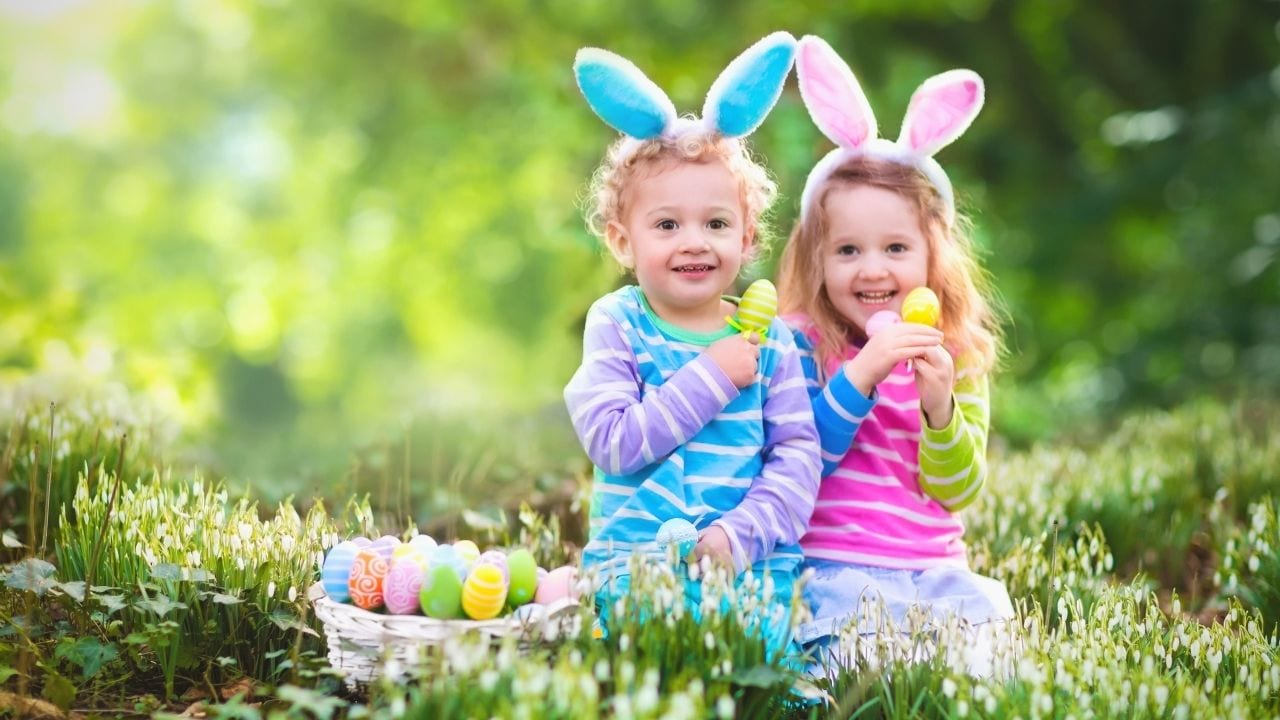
<point x="921" y="306"/>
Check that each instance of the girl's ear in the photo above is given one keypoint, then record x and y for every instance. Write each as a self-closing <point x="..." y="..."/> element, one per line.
<point x="615" y="236"/>
<point x="941" y="109"/>
<point x="622" y="95"/>
<point x="750" y="86"/>
<point x="832" y="94"/>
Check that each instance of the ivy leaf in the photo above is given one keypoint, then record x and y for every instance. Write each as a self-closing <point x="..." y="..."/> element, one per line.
<point x="31" y="574"/>
<point x="160" y="605"/>
<point x="74" y="589"/>
<point x="166" y="571"/>
<point x="88" y="653"/>
<point x="760" y="676"/>
<point x="58" y="690"/>
<point x="200" y="575"/>
<point x="319" y="704"/>
<point x="222" y="598"/>
<point x="289" y="621"/>
<point x="6" y="672"/>
<point x="112" y="603"/>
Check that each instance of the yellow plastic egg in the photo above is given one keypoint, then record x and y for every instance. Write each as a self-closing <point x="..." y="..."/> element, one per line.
<point x="921" y="306"/>
<point x="467" y="550"/>
<point x="484" y="592"/>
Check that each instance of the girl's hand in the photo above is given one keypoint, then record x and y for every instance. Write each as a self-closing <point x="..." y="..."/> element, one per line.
<point x="894" y="344"/>
<point x="738" y="357"/>
<point x="935" y="378"/>
<point x="714" y="543"/>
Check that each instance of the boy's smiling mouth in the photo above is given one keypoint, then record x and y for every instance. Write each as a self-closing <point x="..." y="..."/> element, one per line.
<point x="694" y="268"/>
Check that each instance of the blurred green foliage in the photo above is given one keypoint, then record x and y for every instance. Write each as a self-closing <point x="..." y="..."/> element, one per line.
<point x="307" y="228"/>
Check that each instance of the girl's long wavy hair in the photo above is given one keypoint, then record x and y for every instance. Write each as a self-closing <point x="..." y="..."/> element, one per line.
<point x="969" y="319"/>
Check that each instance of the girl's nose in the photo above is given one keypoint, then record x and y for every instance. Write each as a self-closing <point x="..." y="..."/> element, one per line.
<point x="872" y="267"/>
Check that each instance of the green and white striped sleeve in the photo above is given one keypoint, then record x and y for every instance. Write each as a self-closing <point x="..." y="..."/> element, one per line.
<point x="953" y="459"/>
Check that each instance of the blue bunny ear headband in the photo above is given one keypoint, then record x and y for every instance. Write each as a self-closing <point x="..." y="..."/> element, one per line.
<point x="737" y="103"/>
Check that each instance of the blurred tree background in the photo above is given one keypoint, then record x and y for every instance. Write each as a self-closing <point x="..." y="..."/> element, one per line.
<point x="319" y="231"/>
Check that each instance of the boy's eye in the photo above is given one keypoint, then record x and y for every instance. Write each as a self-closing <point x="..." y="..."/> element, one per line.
<point x="718" y="224"/>
<point x="667" y="225"/>
<point x="846" y="250"/>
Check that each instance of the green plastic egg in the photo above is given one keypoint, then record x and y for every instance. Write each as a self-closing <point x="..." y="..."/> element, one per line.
<point x="441" y="594"/>
<point x="523" y="571"/>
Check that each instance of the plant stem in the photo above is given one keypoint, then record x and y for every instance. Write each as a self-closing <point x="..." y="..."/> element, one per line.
<point x="106" y="516"/>
<point x="48" y="487"/>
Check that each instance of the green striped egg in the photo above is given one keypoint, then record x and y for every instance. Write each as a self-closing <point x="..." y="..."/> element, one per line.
<point x="758" y="307"/>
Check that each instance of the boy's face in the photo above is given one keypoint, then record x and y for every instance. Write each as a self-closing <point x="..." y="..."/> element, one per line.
<point x="683" y="234"/>
<point x="874" y="252"/>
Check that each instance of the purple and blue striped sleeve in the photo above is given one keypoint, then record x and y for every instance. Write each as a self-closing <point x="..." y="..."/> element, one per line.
<point x="778" y="504"/>
<point x="622" y="429"/>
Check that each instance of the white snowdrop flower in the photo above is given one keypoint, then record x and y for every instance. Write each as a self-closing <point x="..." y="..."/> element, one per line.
<point x="949" y="688"/>
<point x="293" y="593"/>
<point x="709" y="640"/>
<point x="724" y="707"/>
<point x="962" y="708"/>
<point x="1161" y="694"/>
<point x="990" y="704"/>
<point x="602" y="670"/>
<point x="246" y="531"/>
<point x="627" y="672"/>
<point x="271" y="589"/>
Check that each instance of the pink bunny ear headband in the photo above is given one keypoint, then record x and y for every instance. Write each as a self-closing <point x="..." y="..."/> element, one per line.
<point x="941" y="109"/>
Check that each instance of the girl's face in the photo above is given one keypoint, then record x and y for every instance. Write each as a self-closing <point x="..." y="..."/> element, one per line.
<point x="684" y="235"/>
<point x="874" y="252"/>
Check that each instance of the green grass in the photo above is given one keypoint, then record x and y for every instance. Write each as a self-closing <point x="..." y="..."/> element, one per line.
<point x="1144" y="565"/>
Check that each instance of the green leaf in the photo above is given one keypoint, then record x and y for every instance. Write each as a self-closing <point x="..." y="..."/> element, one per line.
<point x="111" y="603"/>
<point x="6" y="672"/>
<point x="161" y="605"/>
<point x="88" y="653"/>
<point x="31" y="574"/>
<point x="760" y="676"/>
<point x="58" y="690"/>
<point x="166" y="571"/>
<point x="478" y="521"/>
<point x="200" y="575"/>
<point x="320" y="705"/>
<point x="222" y="598"/>
<point x="74" y="589"/>
<point x="288" y="621"/>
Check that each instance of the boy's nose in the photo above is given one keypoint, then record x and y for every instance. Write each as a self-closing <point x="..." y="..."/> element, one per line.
<point x="694" y="241"/>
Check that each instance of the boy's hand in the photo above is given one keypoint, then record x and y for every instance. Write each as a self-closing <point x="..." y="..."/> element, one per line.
<point x="714" y="543"/>
<point x="935" y="378"/>
<point x="738" y="357"/>
<point x="892" y="345"/>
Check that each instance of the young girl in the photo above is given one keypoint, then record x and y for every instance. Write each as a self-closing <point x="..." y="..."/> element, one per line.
<point x="902" y="415"/>
<point x="682" y="415"/>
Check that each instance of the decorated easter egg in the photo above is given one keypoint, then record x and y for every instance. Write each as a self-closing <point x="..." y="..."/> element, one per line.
<point x="361" y="541"/>
<point x="336" y="571"/>
<point x="557" y="585"/>
<point x="484" y="593"/>
<point x="880" y="321"/>
<point x="678" y="533"/>
<point x="921" y="306"/>
<point x="522" y="576"/>
<point x="425" y="544"/>
<point x="404" y="550"/>
<point x="385" y="546"/>
<point x="496" y="558"/>
<point x="542" y="573"/>
<point x="757" y="309"/>
<point x="447" y="556"/>
<point x="468" y="551"/>
<point x="403" y="584"/>
<point x="441" y="594"/>
<point x="368" y="572"/>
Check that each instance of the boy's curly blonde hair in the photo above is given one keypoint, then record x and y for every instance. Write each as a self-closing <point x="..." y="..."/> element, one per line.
<point x="629" y="160"/>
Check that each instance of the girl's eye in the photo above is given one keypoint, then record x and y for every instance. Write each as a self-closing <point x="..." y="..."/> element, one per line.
<point x="897" y="248"/>
<point x="846" y="250"/>
<point x="667" y="225"/>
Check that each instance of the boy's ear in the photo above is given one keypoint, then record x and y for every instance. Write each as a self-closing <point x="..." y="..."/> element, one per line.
<point x="749" y="242"/>
<point x="615" y="236"/>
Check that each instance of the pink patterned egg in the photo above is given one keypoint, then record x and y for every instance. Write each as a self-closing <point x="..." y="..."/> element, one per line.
<point x="404" y="582"/>
<point x="496" y="558"/>
<point x="368" y="572"/>
<point x="558" y="584"/>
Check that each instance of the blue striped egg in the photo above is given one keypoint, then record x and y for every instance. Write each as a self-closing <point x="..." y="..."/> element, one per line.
<point x="336" y="571"/>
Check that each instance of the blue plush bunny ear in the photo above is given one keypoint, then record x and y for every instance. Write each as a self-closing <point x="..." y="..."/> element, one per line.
<point x="749" y="87"/>
<point x="622" y="95"/>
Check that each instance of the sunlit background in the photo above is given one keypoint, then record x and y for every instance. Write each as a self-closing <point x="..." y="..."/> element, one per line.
<point x="330" y="235"/>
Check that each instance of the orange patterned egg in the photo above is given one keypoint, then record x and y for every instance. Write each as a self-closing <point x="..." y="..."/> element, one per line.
<point x="368" y="573"/>
<point x="484" y="592"/>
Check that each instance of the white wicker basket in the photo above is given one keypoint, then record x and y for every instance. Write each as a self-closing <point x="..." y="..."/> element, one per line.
<point x="360" y="641"/>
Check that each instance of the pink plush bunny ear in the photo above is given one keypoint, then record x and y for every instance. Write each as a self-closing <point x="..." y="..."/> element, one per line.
<point x="832" y="94"/>
<point x="941" y="109"/>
